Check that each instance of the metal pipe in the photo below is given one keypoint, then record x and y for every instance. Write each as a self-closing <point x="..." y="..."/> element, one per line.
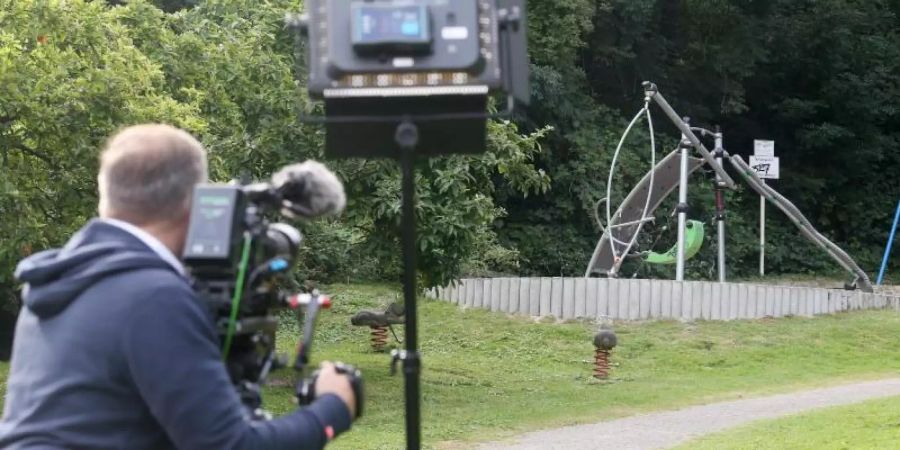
<point x="682" y="207"/>
<point x="797" y="217"/>
<point x="633" y="222"/>
<point x="762" y="233"/>
<point x="651" y="90"/>
<point x="721" y="251"/>
<point x="887" y="250"/>
<point x="720" y="203"/>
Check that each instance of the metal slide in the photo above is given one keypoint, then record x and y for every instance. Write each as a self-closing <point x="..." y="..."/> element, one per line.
<point x="836" y="253"/>
<point x="627" y="218"/>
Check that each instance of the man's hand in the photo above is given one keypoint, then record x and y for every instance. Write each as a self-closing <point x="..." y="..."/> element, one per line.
<point x="331" y="382"/>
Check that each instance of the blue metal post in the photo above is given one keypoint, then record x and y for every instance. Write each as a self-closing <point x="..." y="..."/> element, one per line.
<point x="887" y="250"/>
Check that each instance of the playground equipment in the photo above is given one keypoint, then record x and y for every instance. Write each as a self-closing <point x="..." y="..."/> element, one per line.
<point x="380" y="323"/>
<point x="887" y="249"/>
<point x="693" y="241"/>
<point x="632" y="213"/>
<point x="621" y="229"/>
<point x="604" y="341"/>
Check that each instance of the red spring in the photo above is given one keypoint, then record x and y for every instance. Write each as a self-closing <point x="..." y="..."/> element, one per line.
<point x="601" y="364"/>
<point x="379" y="338"/>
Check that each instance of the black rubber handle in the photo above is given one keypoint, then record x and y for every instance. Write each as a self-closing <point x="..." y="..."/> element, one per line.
<point x="306" y="389"/>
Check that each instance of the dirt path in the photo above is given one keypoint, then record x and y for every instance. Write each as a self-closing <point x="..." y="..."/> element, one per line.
<point x="671" y="428"/>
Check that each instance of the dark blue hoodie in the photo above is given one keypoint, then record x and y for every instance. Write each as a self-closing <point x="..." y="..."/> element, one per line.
<point x="114" y="350"/>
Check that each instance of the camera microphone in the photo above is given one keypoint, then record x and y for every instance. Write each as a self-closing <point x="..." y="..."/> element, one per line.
<point x="309" y="190"/>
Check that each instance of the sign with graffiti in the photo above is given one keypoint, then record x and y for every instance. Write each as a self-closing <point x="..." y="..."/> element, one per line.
<point x="766" y="167"/>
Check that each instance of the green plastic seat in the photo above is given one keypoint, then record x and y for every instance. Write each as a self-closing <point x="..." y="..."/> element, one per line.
<point x="693" y="241"/>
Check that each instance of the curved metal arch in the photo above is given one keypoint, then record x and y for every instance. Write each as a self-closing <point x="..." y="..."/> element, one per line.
<point x="627" y="218"/>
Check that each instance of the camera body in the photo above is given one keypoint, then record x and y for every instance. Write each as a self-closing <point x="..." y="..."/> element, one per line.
<point x="239" y="258"/>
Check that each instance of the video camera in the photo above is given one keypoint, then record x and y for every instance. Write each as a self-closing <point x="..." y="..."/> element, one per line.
<point x="238" y="258"/>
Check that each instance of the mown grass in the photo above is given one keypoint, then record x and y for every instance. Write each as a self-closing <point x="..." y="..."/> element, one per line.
<point x="4" y="369"/>
<point x="870" y="425"/>
<point x="488" y="375"/>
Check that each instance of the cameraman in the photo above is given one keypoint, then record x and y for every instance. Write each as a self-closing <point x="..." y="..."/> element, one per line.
<point x="113" y="349"/>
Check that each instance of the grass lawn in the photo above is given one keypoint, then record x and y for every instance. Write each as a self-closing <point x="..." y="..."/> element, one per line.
<point x="870" y="425"/>
<point x="486" y="375"/>
<point x="4" y="368"/>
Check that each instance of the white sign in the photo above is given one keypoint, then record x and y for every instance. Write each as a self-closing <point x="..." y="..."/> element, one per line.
<point x="764" y="148"/>
<point x="766" y="167"/>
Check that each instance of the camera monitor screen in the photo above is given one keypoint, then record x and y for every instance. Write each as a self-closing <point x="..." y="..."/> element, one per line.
<point x="213" y="219"/>
<point x="390" y="28"/>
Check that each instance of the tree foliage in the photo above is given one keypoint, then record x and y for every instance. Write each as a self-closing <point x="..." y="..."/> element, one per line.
<point x="73" y="72"/>
<point x="819" y="77"/>
<point x="69" y="76"/>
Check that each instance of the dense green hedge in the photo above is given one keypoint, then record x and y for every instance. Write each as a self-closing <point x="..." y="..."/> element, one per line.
<point x="821" y="78"/>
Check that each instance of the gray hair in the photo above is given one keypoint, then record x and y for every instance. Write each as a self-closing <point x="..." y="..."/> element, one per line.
<point x="148" y="172"/>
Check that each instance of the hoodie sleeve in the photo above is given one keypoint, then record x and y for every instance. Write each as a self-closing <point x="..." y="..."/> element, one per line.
<point x="174" y="360"/>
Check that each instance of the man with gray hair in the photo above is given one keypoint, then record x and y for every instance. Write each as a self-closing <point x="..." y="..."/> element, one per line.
<point x="113" y="349"/>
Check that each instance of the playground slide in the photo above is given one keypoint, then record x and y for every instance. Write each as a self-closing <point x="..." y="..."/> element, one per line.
<point x="836" y="253"/>
<point x="626" y="221"/>
<point x="603" y="263"/>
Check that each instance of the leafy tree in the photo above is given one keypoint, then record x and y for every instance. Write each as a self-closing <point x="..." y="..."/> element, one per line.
<point x="69" y="76"/>
<point x="73" y="72"/>
<point x="245" y="77"/>
<point x="818" y="77"/>
<point x="165" y="5"/>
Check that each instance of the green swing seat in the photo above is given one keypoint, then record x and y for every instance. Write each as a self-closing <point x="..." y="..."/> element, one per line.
<point x="693" y="241"/>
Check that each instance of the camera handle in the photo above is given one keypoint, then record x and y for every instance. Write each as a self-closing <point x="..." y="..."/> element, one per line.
<point x="305" y="390"/>
<point x="313" y="303"/>
<point x="306" y="387"/>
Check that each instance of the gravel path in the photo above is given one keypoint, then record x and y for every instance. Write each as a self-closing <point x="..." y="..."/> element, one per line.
<point x="671" y="428"/>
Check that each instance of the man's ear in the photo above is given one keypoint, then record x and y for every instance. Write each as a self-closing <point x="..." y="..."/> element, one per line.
<point x="185" y="215"/>
<point x="184" y="219"/>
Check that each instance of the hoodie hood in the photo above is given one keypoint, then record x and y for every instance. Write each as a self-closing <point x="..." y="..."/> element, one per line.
<point x="55" y="278"/>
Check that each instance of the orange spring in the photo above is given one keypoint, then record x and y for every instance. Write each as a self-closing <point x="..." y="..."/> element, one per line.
<point x="379" y="338"/>
<point x="601" y="364"/>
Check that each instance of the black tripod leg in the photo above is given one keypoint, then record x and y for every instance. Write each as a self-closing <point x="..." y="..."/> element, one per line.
<point x="407" y="137"/>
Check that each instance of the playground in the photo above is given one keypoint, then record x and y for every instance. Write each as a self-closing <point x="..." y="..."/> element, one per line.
<point x="604" y="296"/>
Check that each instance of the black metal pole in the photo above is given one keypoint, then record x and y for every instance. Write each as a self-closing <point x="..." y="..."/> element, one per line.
<point x="407" y="138"/>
